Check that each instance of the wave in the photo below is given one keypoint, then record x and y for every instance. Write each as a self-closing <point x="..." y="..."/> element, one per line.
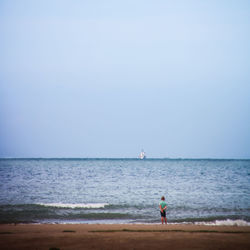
<point x="69" y="205"/>
<point x="227" y="222"/>
<point x="82" y="206"/>
<point x="85" y="212"/>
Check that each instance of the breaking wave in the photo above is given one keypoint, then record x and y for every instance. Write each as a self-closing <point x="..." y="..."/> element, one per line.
<point x="79" y="205"/>
<point x="227" y="222"/>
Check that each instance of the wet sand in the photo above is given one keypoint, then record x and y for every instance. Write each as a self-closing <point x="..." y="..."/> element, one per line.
<point x="122" y="236"/>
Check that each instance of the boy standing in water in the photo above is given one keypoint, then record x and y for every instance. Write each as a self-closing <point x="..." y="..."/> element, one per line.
<point x="163" y="208"/>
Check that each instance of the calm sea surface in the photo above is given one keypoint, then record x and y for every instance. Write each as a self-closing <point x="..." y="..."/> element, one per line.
<point x="124" y="190"/>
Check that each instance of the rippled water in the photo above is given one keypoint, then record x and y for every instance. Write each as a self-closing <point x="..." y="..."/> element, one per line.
<point x="123" y="190"/>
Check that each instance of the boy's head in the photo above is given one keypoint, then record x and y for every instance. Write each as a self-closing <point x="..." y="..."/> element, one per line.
<point x="163" y="198"/>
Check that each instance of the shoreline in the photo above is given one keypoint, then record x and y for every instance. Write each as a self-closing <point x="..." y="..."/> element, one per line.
<point x="216" y="223"/>
<point x="123" y="236"/>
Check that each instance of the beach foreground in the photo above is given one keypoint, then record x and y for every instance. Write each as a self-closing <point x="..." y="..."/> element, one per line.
<point x="122" y="236"/>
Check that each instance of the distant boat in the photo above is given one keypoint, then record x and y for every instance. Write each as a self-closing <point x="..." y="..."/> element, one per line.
<point x="142" y="155"/>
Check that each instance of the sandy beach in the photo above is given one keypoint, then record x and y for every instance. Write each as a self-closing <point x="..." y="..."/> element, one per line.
<point x="122" y="236"/>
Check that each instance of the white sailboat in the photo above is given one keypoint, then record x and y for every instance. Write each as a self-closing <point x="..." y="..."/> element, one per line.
<point x="142" y="155"/>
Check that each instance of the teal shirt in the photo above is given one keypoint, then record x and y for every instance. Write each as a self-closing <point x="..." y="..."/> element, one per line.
<point x="162" y="204"/>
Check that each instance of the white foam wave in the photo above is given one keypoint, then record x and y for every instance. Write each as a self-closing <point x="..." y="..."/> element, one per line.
<point x="227" y="222"/>
<point x="80" y="205"/>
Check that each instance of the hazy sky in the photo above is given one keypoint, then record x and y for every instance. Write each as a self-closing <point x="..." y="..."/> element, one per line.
<point x="108" y="78"/>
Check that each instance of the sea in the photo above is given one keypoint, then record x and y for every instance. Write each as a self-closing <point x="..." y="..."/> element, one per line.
<point x="111" y="191"/>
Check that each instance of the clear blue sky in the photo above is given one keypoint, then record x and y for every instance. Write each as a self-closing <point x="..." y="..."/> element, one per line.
<point x="108" y="78"/>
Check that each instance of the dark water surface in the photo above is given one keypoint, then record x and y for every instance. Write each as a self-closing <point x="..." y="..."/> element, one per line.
<point x="124" y="190"/>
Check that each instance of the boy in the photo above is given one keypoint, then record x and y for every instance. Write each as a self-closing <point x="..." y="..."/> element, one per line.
<point x="163" y="207"/>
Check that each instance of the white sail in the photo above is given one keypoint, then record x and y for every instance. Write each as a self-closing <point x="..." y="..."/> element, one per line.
<point x="142" y="155"/>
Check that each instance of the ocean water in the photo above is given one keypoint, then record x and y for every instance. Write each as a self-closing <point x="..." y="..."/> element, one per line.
<point x="124" y="191"/>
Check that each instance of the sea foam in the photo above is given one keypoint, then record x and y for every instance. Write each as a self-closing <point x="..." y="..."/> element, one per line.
<point x="227" y="222"/>
<point x="79" y="205"/>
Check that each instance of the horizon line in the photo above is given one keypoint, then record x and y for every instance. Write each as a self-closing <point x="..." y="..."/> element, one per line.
<point x="122" y="158"/>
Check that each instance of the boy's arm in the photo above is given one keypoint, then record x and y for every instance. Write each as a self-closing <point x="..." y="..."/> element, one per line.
<point x="165" y="207"/>
<point x="160" y="208"/>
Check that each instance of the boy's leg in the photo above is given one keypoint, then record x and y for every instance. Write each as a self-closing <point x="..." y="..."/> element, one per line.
<point x="162" y="220"/>
<point x="165" y="220"/>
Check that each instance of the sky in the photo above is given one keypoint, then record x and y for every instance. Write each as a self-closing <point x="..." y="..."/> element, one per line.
<point x="109" y="78"/>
